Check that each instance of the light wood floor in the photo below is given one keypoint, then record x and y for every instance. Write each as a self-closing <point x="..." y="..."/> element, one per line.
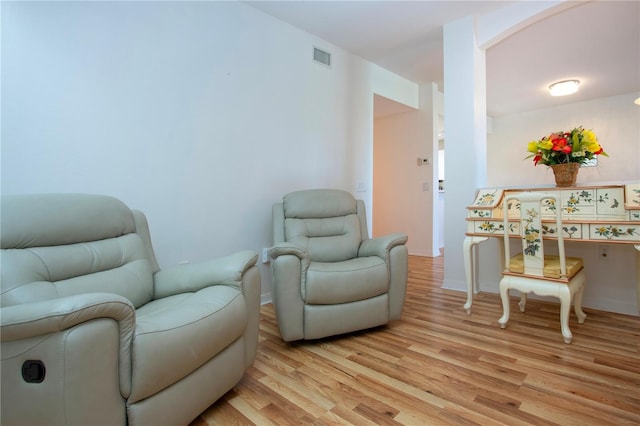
<point x="436" y="365"/>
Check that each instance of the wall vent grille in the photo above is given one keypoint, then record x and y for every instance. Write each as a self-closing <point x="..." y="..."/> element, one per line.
<point x="322" y="57"/>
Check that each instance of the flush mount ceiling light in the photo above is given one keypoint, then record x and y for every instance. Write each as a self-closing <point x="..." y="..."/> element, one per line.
<point x="637" y="101"/>
<point x="563" y="88"/>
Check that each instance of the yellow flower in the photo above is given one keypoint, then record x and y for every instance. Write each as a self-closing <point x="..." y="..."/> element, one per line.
<point x="588" y="137"/>
<point x="532" y="236"/>
<point x="487" y="199"/>
<point x="533" y="146"/>
<point x="545" y="144"/>
<point x="486" y="226"/>
<point x="593" y="146"/>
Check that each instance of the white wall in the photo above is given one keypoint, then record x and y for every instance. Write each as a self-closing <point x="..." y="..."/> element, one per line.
<point x="465" y="138"/>
<point x="615" y="121"/>
<point x="201" y="114"/>
<point x="403" y="192"/>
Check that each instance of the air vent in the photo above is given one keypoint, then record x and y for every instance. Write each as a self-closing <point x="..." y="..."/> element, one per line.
<point x="321" y="57"/>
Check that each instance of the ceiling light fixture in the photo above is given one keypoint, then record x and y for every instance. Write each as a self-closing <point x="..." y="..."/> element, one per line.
<point x="563" y="88"/>
<point x="637" y="101"/>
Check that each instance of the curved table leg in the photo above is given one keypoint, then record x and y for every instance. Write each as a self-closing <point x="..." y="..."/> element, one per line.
<point x="565" y="307"/>
<point x="578" y="307"/>
<point x="469" y="267"/>
<point x="504" y="298"/>
<point x="523" y="301"/>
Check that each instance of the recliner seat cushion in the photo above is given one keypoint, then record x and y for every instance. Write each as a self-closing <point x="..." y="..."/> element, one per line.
<point x="173" y="335"/>
<point x="347" y="281"/>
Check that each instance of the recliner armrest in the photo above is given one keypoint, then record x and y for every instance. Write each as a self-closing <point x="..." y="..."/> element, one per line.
<point x="50" y="316"/>
<point x="288" y="248"/>
<point x="380" y="246"/>
<point x="226" y="270"/>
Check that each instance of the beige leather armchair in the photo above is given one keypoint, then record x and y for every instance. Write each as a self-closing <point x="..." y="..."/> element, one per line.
<point x="329" y="277"/>
<point x="94" y="333"/>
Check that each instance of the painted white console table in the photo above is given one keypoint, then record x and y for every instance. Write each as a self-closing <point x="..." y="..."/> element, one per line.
<point x="590" y="214"/>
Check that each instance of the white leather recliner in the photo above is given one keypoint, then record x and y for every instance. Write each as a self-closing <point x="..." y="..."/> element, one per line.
<point x="94" y="333"/>
<point x="329" y="277"/>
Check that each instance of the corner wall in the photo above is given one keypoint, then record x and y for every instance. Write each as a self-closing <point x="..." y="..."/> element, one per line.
<point x="200" y="114"/>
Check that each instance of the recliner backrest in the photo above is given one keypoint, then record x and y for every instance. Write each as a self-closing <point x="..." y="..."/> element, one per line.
<point x="325" y="222"/>
<point x="56" y="245"/>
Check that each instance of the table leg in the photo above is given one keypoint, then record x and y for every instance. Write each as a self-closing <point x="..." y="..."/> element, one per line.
<point x="470" y="267"/>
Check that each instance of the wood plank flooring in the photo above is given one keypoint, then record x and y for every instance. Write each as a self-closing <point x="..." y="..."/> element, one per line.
<point x="438" y="366"/>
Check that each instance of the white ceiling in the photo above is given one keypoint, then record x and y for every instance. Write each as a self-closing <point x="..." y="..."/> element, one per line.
<point x="596" y="42"/>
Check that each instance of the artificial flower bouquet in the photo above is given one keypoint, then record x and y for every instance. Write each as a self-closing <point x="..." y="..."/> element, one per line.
<point x="576" y="146"/>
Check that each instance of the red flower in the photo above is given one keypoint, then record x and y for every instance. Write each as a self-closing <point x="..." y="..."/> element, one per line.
<point x="536" y="159"/>
<point x="560" y="144"/>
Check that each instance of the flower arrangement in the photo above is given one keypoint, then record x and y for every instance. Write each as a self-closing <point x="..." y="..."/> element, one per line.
<point x="577" y="146"/>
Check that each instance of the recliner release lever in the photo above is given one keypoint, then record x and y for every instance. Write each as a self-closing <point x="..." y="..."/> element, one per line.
<point x="33" y="371"/>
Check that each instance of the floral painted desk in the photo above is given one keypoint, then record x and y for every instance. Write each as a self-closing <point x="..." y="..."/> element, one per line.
<point x="608" y="214"/>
